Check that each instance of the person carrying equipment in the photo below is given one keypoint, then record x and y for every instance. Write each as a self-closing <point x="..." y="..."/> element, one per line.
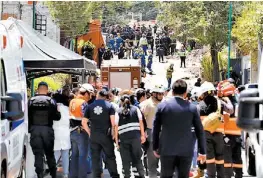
<point x="211" y="110"/>
<point x="130" y="136"/>
<point x="232" y="138"/>
<point x="169" y="75"/>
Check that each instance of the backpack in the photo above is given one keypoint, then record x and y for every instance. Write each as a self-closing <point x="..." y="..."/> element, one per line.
<point x="213" y="120"/>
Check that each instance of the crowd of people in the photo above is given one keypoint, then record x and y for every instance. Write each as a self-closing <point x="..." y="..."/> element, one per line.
<point x="187" y="131"/>
<point x="140" y="42"/>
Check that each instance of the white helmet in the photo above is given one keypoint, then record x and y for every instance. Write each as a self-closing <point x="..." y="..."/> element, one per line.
<point x="86" y="87"/>
<point x="195" y="92"/>
<point x="205" y="87"/>
<point x="158" y="89"/>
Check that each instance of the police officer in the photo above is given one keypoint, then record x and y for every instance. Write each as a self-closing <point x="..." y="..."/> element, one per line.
<point x="101" y="115"/>
<point x="78" y="136"/>
<point x="129" y="123"/>
<point x="42" y="110"/>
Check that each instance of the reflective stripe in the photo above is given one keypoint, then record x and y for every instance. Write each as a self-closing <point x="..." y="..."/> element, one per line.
<point x="134" y="124"/>
<point x="128" y="129"/>
<point x="219" y="161"/>
<point x="232" y="132"/>
<point x="209" y="161"/>
<point x="238" y="165"/>
<point x="227" y="165"/>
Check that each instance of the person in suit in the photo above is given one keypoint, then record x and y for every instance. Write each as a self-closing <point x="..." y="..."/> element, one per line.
<point x="179" y="123"/>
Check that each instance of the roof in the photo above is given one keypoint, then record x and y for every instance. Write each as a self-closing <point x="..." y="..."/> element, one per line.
<point x="121" y="63"/>
<point x="40" y="52"/>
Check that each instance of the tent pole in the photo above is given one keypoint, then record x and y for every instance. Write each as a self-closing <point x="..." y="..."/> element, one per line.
<point x="34" y="20"/>
<point x="83" y="76"/>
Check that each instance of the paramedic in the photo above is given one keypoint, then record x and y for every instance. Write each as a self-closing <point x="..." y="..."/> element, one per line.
<point x="101" y="115"/>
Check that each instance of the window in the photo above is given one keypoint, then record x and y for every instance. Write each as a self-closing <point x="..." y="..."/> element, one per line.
<point x="3" y="86"/>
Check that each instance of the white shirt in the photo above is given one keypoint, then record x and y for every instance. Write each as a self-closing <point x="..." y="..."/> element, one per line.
<point x="117" y="118"/>
<point x="62" y="130"/>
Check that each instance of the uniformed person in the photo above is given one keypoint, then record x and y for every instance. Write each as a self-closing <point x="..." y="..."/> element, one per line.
<point x="169" y="75"/>
<point x="101" y="115"/>
<point x="232" y="138"/>
<point x="214" y="140"/>
<point x="129" y="137"/>
<point x="42" y="110"/>
<point x="78" y="136"/>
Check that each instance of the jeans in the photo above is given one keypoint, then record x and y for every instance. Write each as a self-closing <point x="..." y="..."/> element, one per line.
<point x="144" y="48"/>
<point x="194" y="162"/>
<point x="78" y="162"/>
<point x="169" y="80"/>
<point x="65" y="159"/>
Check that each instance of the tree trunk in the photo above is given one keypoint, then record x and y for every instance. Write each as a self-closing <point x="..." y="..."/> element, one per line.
<point x="214" y="55"/>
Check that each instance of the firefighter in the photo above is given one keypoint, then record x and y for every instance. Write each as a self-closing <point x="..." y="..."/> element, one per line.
<point x="233" y="142"/>
<point x="78" y="136"/>
<point x="42" y="110"/>
<point x="214" y="139"/>
<point x="182" y="54"/>
<point x="144" y="44"/>
<point x="129" y="123"/>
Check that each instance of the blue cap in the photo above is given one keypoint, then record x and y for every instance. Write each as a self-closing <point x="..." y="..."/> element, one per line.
<point x="42" y="84"/>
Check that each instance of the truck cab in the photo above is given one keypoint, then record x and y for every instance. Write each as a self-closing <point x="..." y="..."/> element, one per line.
<point x="250" y="118"/>
<point x="14" y="132"/>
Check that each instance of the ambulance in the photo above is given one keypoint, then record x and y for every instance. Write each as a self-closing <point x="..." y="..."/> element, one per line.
<point x="250" y="118"/>
<point x="14" y="129"/>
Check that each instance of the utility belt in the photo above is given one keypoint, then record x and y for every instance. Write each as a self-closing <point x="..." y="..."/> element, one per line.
<point x="79" y="129"/>
<point x="75" y="125"/>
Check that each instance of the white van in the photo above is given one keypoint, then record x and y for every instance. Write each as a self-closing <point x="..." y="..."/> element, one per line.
<point x="14" y="130"/>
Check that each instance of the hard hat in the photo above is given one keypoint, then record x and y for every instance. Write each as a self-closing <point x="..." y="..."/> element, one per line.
<point x="205" y="87"/>
<point x="226" y="88"/>
<point x="195" y="92"/>
<point x="158" y="89"/>
<point x="86" y="87"/>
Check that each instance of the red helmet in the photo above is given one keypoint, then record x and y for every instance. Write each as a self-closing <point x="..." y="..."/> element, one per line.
<point x="225" y="89"/>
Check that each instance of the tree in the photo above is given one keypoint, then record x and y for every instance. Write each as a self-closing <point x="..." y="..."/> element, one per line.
<point x="206" y="22"/>
<point x="73" y="16"/>
<point x="248" y="29"/>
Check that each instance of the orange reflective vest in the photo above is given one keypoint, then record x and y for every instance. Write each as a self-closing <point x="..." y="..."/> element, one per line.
<point x="75" y="107"/>
<point x="230" y="126"/>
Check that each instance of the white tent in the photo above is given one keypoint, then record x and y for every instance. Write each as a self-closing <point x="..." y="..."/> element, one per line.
<point x="39" y="52"/>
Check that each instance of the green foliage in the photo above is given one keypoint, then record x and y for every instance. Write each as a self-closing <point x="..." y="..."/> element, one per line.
<point x="207" y="66"/>
<point x="54" y="82"/>
<point x="149" y="9"/>
<point x="248" y="28"/>
<point x="73" y="16"/>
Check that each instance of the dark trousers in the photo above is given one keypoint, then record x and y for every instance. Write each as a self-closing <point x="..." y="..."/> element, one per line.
<point x="232" y="156"/>
<point x="161" y="57"/>
<point x="131" y="152"/>
<point x="42" y="143"/>
<point x="169" y="80"/>
<point x="99" y="62"/>
<point x="215" y="154"/>
<point x="180" y="163"/>
<point x="99" y="142"/>
<point x="182" y="60"/>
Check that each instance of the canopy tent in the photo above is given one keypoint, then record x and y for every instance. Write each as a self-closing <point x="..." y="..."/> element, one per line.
<point x="43" y="54"/>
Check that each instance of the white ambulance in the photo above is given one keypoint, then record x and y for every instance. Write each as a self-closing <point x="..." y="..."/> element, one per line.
<point x="14" y="132"/>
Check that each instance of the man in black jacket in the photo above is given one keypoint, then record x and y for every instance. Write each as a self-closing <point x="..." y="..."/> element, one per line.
<point x="181" y="125"/>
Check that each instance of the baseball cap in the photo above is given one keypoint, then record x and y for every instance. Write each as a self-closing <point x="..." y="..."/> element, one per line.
<point x="42" y="84"/>
<point x="86" y="87"/>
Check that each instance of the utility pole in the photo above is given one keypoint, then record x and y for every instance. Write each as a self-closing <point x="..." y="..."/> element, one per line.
<point x="229" y="38"/>
<point x="34" y="27"/>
